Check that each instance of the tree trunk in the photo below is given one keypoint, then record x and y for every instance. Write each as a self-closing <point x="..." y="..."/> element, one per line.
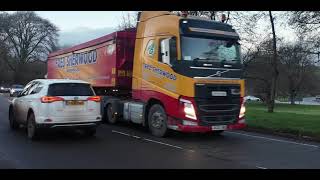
<point x="292" y="91"/>
<point x="17" y="74"/>
<point x="292" y="97"/>
<point x="274" y="68"/>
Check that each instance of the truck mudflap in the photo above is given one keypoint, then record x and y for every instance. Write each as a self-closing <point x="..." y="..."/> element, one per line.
<point x="240" y="124"/>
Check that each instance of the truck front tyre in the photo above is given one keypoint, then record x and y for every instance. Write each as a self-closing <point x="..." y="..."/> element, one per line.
<point x="111" y="116"/>
<point x="157" y="121"/>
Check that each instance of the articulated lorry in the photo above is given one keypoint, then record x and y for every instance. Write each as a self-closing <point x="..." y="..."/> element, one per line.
<point x="170" y="72"/>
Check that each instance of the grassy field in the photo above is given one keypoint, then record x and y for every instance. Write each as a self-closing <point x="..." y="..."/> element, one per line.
<point x="301" y="120"/>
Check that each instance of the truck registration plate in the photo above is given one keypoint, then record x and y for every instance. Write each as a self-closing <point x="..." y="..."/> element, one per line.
<point x="220" y="127"/>
<point x="219" y="93"/>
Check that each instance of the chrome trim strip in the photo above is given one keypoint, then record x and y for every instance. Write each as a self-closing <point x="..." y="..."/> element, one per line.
<point x="68" y="125"/>
<point x="185" y="101"/>
<point x="215" y="78"/>
<point x="193" y="67"/>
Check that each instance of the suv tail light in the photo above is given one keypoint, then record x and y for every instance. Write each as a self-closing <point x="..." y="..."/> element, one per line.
<point x="94" y="98"/>
<point x="50" y="99"/>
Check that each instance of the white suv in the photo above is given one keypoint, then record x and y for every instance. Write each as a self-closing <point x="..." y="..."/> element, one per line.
<point x="54" y="103"/>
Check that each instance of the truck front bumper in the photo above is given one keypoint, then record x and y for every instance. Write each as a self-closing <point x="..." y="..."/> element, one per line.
<point x="203" y="129"/>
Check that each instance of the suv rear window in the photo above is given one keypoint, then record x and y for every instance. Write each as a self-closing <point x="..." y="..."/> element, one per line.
<point x="70" y="89"/>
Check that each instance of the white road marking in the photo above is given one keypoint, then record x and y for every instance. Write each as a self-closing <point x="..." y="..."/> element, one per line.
<point x="136" y="137"/>
<point x="121" y="133"/>
<point x="261" y="167"/>
<point x="150" y="140"/>
<point x="272" y="139"/>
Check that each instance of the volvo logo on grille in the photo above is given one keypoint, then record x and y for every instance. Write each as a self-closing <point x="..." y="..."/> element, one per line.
<point x="218" y="73"/>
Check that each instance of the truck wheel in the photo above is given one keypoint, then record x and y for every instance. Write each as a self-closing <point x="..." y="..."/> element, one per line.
<point x="12" y="120"/>
<point x="157" y="121"/>
<point x="31" y="127"/>
<point x="111" y="117"/>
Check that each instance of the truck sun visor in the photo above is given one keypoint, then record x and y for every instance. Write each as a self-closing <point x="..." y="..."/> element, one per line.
<point x="212" y="31"/>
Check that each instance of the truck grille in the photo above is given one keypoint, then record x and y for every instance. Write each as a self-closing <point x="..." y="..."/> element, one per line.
<point x="215" y="110"/>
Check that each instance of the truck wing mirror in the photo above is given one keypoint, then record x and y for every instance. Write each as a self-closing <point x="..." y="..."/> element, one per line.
<point x="165" y="51"/>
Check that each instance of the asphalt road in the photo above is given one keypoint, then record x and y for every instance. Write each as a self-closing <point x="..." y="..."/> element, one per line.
<point x="130" y="146"/>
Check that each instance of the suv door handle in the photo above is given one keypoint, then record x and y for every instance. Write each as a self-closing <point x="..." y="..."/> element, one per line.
<point x="29" y="100"/>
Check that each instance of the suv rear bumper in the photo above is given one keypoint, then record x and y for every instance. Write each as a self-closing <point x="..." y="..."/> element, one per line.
<point x="69" y="125"/>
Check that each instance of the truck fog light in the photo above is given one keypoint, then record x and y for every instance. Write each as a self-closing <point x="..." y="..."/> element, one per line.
<point x="242" y="121"/>
<point x="189" y="123"/>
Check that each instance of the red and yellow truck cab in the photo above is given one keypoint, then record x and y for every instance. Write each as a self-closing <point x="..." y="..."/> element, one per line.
<point x="172" y="72"/>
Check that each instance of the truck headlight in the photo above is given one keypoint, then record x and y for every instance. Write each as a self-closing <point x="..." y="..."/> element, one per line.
<point x="242" y="109"/>
<point x="188" y="109"/>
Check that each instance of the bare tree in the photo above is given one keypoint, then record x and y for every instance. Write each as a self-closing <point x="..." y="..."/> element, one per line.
<point x="307" y="23"/>
<point x="305" y="20"/>
<point x="296" y="67"/>
<point x="128" y="21"/>
<point x="274" y="67"/>
<point x="28" y="38"/>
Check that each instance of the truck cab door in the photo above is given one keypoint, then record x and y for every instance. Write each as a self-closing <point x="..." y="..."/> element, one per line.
<point x="167" y="55"/>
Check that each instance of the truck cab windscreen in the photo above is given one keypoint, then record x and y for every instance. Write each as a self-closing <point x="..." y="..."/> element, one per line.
<point x="210" y="50"/>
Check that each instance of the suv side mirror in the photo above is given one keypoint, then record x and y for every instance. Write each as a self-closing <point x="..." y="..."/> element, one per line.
<point x="16" y="94"/>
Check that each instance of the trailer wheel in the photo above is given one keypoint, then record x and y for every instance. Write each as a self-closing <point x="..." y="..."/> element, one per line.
<point x="112" y="118"/>
<point x="157" y="121"/>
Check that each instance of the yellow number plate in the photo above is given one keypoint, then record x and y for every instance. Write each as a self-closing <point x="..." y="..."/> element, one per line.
<point x="74" y="102"/>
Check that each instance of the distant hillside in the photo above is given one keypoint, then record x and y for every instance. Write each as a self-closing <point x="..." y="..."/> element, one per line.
<point x="81" y="35"/>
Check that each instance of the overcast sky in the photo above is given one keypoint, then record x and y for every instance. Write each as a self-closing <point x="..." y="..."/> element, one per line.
<point x="70" y="20"/>
<point x="93" y="24"/>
